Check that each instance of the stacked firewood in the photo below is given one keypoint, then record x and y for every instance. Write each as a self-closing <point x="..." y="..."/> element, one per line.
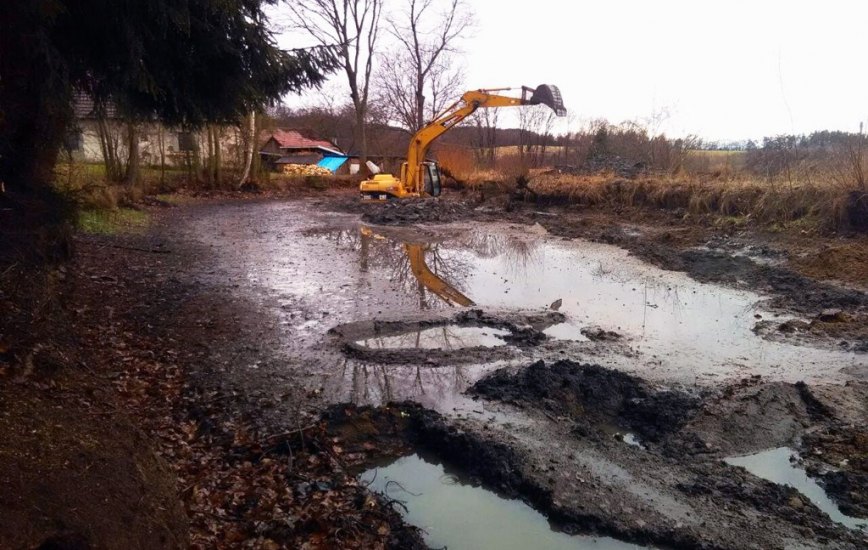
<point x="305" y="170"/>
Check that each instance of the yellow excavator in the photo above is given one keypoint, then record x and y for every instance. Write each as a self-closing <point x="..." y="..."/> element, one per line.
<point x="421" y="177"/>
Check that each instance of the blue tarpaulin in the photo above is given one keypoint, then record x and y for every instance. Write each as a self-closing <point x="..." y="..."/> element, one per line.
<point x="332" y="163"/>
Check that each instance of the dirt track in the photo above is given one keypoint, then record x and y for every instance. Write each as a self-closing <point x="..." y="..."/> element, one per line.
<point x="285" y="310"/>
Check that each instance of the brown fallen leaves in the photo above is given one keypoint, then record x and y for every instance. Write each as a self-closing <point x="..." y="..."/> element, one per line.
<point x="241" y="488"/>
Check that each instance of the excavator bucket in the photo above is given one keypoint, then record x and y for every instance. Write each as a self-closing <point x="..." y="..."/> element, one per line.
<point x="550" y="95"/>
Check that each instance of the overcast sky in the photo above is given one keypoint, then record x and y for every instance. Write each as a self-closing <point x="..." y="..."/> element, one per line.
<point x="723" y="70"/>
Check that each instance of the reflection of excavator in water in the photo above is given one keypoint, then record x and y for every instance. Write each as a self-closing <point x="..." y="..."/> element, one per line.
<point x="420" y="177"/>
<point x="449" y="294"/>
<point x="427" y="278"/>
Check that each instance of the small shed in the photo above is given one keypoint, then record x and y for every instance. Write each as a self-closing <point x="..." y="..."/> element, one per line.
<point x="293" y="147"/>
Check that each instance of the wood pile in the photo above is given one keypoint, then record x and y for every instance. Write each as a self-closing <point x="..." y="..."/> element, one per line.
<point x="305" y="170"/>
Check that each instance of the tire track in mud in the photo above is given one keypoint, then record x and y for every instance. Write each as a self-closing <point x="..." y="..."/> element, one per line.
<point x="567" y="464"/>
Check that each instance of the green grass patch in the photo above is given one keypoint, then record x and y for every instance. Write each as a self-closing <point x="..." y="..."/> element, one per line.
<point x="173" y="198"/>
<point x="112" y="222"/>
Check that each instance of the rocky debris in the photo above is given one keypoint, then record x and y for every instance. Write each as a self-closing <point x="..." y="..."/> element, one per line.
<point x="410" y="211"/>
<point x="832" y="315"/>
<point x="597" y="334"/>
<point x="838" y="328"/>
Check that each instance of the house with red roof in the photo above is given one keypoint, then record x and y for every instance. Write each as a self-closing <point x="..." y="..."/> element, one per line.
<point x="282" y="146"/>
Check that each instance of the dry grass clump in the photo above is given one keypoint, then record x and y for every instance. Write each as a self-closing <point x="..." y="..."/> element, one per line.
<point x="813" y="205"/>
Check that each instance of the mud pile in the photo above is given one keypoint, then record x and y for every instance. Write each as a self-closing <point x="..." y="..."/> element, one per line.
<point x="410" y="211"/>
<point x="592" y="395"/>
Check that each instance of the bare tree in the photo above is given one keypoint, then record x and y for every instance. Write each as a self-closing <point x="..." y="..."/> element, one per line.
<point x="352" y="25"/>
<point x="427" y="41"/>
<point x="535" y="128"/>
<point x="396" y="89"/>
<point x="110" y="140"/>
<point x="485" y="137"/>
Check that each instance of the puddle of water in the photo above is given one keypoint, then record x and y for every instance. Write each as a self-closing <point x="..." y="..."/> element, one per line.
<point x="457" y="515"/>
<point x="680" y="327"/>
<point x="321" y="270"/>
<point x="774" y="465"/>
<point x="448" y="337"/>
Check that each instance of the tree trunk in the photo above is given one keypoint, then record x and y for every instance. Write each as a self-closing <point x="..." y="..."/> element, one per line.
<point x="250" y="144"/>
<point x="209" y="159"/>
<point x="195" y="156"/>
<point x="34" y="116"/>
<point x="132" y="176"/>
<point x="109" y="150"/>
<point x="161" y="142"/>
<point x="420" y="103"/>
<point x="256" y="168"/>
<point x="362" y="135"/>
<point x="218" y="159"/>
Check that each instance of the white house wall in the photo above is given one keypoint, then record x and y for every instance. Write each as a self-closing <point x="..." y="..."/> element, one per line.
<point x="90" y="149"/>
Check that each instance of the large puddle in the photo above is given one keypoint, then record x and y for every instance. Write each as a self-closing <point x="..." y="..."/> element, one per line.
<point x="457" y="515"/>
<point x="317" y="271"/>
<point x="677" y="327"/>
<point x="775" y="465"/>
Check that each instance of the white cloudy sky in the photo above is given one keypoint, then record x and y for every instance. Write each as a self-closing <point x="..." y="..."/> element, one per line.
<point x="723" y="70"/>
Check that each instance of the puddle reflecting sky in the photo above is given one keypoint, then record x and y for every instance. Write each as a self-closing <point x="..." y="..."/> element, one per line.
<point x="439" y="388"/>
<point x="679" y="326"/>
<point x="460" y="516"/>
<point x="320" y="270"/>
<point x="447" y="337"/>
<point x="775" y="466"/>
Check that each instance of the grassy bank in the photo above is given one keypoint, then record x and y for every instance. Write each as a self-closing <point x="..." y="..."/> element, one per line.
<point x="820" y="206"/>
<point x="111" y="222"/>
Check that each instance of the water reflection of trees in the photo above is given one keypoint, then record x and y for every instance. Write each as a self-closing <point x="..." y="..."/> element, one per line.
<point x="445" y="337"/>
<point x="364" y="383"/>
<point x="447" y="257"/>
<point x="376" y="252"/>
<point x="519" y="253"/>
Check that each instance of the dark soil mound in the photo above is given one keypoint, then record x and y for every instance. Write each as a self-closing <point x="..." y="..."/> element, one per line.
<point x="592" y="394"/>
<point x="410" y="211"/>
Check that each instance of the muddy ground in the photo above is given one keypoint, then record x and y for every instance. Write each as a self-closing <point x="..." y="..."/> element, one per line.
<point x="261" y="332"/>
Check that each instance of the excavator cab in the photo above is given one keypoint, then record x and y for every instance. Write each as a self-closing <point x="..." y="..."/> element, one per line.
<point x="431" y="178"/>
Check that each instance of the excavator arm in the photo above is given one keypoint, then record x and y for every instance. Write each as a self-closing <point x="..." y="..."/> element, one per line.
<point x="458" y="111"/>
